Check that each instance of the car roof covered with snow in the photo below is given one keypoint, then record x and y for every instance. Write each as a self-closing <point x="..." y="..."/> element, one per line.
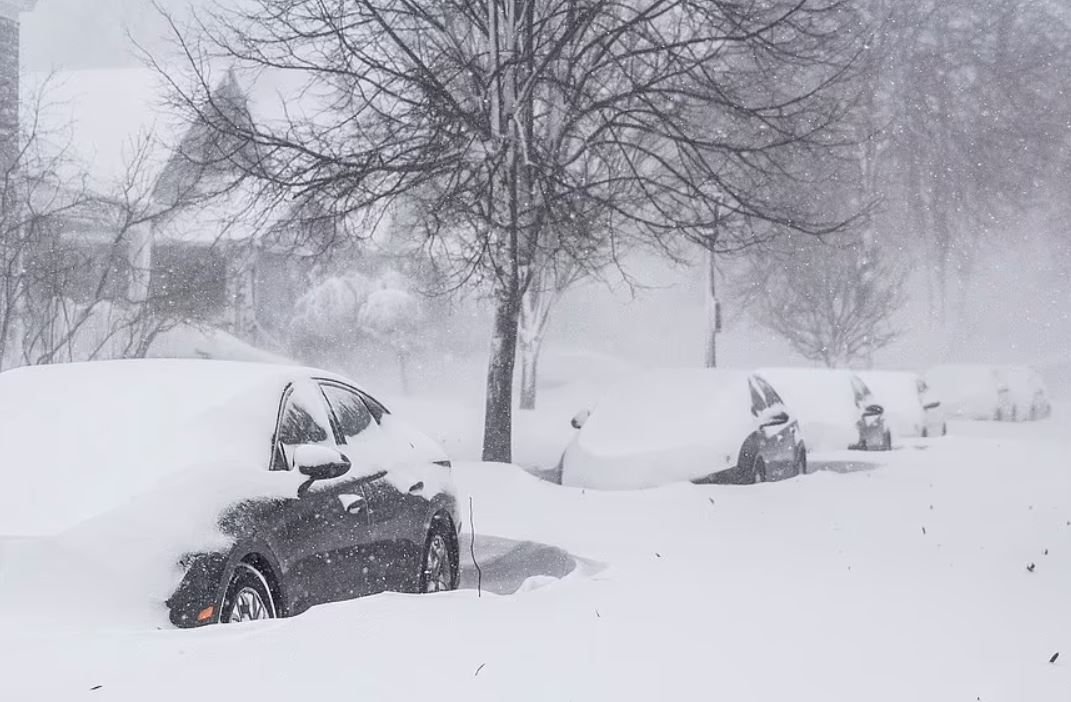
<point x="79" y="439"/>
<point x="666" y="407"/>
<point x="813" y="389"/>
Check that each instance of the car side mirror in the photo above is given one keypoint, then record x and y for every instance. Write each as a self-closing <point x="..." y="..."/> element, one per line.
<point x="873" y="411"/>
<point x="774" y="418"/>
<point x="931" y="405"/>
<point x="319" y="462"/>
<point x="580" y="418"/>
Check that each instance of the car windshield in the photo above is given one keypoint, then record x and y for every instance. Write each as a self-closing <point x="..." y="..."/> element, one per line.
<point x="536" y="350"/>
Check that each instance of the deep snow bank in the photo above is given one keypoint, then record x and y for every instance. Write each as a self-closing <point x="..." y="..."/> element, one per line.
<point x="903" y="579"/>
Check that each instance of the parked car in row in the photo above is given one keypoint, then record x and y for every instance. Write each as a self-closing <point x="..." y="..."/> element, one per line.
<point x="685" y="425"/>
<point x="971" y="391"/>
<point x="222" y="491"/>
<point x="911" y="408"/>
<point x="1001" y="392"/>
<point x="836" y="409"/>
<point x="1029" y="394"/>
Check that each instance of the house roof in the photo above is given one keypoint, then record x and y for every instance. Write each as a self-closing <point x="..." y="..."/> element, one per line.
<point x="105" y="121"/>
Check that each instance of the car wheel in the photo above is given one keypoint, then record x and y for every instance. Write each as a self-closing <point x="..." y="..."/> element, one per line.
<point x="801" y="461"/>
<point x="925" y="433"/>
<point x="944" y="429"/>
<point x="439" y="571"/>
<point x="248" y="597"/>
<point x="886" y="441"/>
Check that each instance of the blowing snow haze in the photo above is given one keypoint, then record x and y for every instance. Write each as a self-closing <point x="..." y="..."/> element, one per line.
<point x="540" y="350"/>
<point x="77" y="34"/>
<point x="1007" y="295"/>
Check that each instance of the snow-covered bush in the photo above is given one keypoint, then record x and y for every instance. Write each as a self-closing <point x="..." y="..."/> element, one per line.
<point x="344" y="314"/>
<point x="328" y="314"/>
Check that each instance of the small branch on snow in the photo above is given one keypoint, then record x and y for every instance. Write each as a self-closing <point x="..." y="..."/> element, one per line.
<point x="472" y="552"/>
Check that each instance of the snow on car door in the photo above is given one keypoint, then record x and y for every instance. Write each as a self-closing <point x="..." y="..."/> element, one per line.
<point x="396" y="504"/>
<point x="784" y="444"/>
<point x="322" y="533"/>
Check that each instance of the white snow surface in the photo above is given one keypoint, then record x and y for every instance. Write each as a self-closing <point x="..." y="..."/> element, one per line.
<point x="661" y="427"/>
<point x="904" y="578"/>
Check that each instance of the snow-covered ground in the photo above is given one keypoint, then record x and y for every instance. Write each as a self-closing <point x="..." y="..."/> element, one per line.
<point x="940" y="571"/>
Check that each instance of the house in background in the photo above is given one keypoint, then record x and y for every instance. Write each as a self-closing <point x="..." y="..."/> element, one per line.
<point x="203" y="247"/>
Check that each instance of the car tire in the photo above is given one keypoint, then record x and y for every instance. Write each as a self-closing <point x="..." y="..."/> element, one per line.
<point x="944" y="429"/>
<point x="248" y="597"/>
<point x="886" y="441"/>
<point x="925" y="433"/>
<point x="439" y="568"/>
<point x="801" y="461"/>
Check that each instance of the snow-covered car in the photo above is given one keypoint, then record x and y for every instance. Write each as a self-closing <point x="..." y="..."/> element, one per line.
<point x="911" y="409"/>
<point x="215" y="491"/>
<point x="836" y="409"/>
<point x="972" y="391"/>
<point x="698" y="425"/>
<point x="1027" y="391"/>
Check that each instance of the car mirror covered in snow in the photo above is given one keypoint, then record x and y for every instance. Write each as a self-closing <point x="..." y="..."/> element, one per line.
<point x="318" y="462"/>
<point x="773" y="417"/>
<point x="873" y="411"/>
<point x="580" y="418"/>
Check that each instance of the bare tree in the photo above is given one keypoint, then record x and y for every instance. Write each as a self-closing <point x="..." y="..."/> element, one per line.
<point x="835" y="303"/>
<point x="493" y="120"/>
<point x="962" y="110"/>
<point x="76" y="260"/>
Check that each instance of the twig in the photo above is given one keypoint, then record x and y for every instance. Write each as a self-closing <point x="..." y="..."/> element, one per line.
<point x="472" y="552"/>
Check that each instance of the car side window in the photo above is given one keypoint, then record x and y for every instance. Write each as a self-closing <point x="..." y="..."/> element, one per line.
<point x="302" y="420"/>
<point x="860" y="390"/>
<point x="768" y="393"/>
<point x="757" y="403"/>
<point x="375" y="407"/>
<point x="352" y="415"/>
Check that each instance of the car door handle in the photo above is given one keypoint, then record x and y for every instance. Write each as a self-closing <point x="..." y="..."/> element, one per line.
<point x="416" y="488"/>
<point x="352" y="503"/>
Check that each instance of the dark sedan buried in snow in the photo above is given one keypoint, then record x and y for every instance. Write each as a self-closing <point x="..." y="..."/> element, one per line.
<point x="220" y="491"/>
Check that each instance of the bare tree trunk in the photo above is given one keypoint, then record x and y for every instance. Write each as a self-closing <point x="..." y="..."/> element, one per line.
<point x="536" y="304"/>
<point x="529" y="352"/>
<point x="498" y="412"/>
<point x="713" y="325"/>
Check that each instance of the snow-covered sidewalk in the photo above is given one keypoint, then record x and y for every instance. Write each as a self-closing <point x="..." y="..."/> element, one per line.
<point x="937" y="572"/>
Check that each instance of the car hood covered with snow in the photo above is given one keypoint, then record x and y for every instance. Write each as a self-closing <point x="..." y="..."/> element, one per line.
<point x="967" y="390"/>
<point x="79" y="440"/>
<point x="662" y="427"/>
